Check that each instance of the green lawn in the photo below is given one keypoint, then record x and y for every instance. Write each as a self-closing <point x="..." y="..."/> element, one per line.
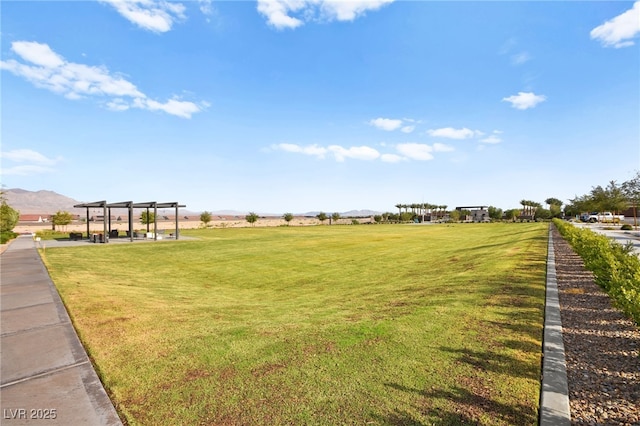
<point x="385" y="324"/>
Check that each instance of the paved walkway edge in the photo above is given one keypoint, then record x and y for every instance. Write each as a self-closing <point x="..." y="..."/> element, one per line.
<point x="554" y="393"/>
<point x="47" y="374"/>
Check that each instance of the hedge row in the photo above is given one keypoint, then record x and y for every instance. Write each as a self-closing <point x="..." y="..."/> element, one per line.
<point x="616" y="268"/>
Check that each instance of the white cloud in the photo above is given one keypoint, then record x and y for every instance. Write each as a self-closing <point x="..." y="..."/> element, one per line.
<point x="118" y="105"/>
<point x="348" y="10"/>
<point x="313" y="150"/>
<point x="152" y="15"/>
<point x="406" y="151"/>
<point x="392" y="158"/>
<point x="520" y="58"/>
<point x="339" y="153"/>
<point x="391" y="124"/>
<point x="175" y="107"/>
<point x="451" y="133"/>
<point x="206" y="7"/>
<point x="39" y="163"/>
<point x="493" y="139"/>
<point x="38" y="54"/>
<point x="47" y="70"/>
<point x="509" y="48"/>
<point x="356" y="152"/>
<point x="387" y="124"/>
<point x="28" y="156"/>
<point x="440" y="147"/>
<point x="525" y="100"/>
<point x="278" y="12"/>
<point x="416" y="151"/>
<point x="619" y="31"/>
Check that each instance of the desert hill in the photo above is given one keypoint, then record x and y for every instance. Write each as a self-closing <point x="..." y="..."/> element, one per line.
<point x="39" y="202"/>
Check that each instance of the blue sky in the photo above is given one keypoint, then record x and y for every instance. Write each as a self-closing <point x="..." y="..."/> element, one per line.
<point x="294" y="106"/>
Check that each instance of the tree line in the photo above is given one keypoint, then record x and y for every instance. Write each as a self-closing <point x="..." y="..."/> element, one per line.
<point x="613" y="198"/>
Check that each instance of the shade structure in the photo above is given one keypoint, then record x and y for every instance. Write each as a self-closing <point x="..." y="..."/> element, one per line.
<point x="130" y="205"/>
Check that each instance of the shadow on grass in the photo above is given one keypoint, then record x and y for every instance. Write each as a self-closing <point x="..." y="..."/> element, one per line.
<point x="438" y="417"/>
<point x="494" y="362"/>
<point x="465" y="407"/>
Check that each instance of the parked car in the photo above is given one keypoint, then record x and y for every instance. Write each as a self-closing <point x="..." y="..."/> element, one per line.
<point x="604" y="217"/>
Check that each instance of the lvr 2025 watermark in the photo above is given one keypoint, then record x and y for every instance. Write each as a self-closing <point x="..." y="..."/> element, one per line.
<point x="29" y="414"/>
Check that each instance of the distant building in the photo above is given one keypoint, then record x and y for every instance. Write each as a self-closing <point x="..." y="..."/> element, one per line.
<point x="33" y="218"/>
<point x="478" y="213"/>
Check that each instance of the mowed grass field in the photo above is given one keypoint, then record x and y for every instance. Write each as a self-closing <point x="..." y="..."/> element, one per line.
<point x="385" y="324"/>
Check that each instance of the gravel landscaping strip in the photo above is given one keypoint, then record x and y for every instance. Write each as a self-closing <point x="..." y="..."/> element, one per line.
<point x="602" y="347"/>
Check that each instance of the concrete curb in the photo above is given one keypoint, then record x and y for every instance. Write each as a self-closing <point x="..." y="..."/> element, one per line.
<point x="554" y="394"/>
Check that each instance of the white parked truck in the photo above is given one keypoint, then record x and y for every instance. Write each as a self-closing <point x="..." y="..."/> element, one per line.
<point x="604" y="217"/>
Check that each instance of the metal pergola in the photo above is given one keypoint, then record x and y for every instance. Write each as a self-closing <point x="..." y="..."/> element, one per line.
<point x="130" y="205"/>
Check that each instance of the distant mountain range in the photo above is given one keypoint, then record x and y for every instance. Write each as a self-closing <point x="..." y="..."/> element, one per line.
<point x="39" y="202"/>
<point x="49" y="202"/>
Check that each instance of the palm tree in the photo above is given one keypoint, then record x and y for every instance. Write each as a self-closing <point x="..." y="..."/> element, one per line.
<point x="433" y="210"/>
<point x="524" y="204"/>
<point x="534" y="206"/>
<point x="443" y="209"/>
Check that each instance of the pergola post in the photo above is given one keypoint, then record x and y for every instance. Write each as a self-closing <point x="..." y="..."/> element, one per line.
<point x="88" y="230"/>
<point x="176" y="234"/>
<point x="104" y="224"/>
<point x="131" y="221"/>
<point x="155" y="221"/>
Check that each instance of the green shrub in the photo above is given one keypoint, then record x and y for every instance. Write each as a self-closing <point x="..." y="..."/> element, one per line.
<point x="8" y="216"/>
<point x="626" y="227"/>
<point x="7" y="236"/>
<point x="615" y="267"/>
<point x="49" y="234"/>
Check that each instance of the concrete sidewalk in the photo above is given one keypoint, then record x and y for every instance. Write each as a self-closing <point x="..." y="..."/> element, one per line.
<point x="45" y="374"/>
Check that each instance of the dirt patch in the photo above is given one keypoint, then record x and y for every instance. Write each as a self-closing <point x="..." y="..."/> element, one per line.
<point x="267" y="369"/>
